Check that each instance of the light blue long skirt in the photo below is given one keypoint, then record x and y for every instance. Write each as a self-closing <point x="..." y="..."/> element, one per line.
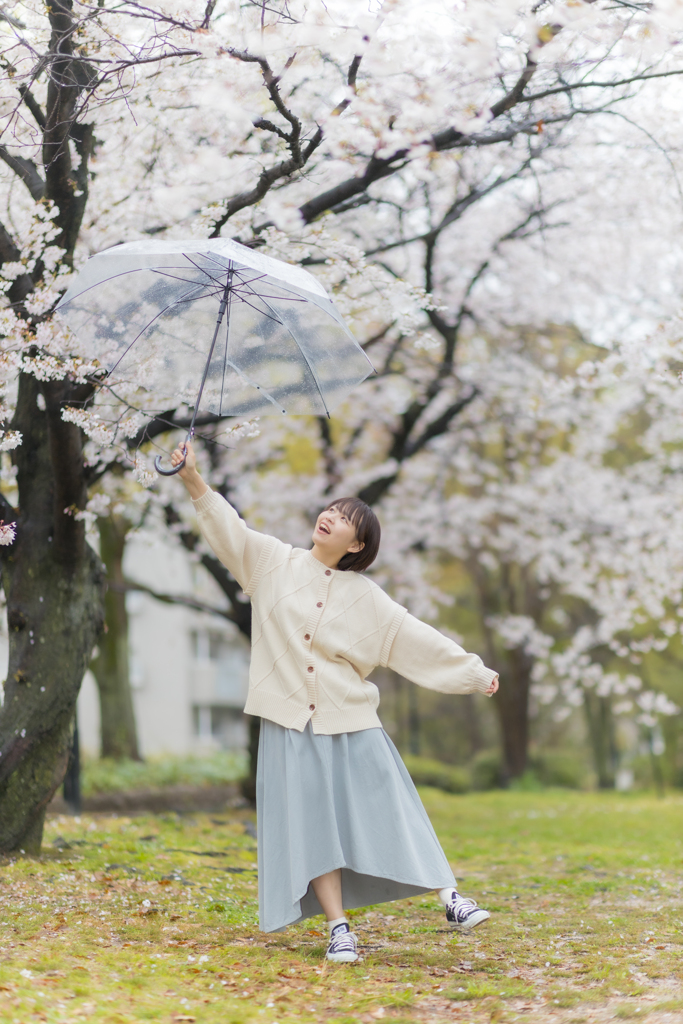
<point x="345" y="801"/>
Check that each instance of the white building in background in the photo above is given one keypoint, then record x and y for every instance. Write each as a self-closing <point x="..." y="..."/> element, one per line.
<point x="189" y="670"/>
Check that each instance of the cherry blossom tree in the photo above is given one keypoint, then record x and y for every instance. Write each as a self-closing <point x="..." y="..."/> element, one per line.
<point x="361" y="142"/>
<point x="565" y="509"/>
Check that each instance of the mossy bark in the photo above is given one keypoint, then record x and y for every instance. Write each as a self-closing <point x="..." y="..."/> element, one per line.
<point x="111" y="666"/>
<point x="53" y="580"/>
<point x="53" y="584"/>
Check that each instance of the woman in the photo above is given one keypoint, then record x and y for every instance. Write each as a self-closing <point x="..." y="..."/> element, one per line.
<point x="340" y="822"/>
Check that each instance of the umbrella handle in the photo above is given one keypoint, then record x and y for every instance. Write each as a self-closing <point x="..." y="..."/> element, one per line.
<point x="175" y="469"/>
<point x="168" y="472"/>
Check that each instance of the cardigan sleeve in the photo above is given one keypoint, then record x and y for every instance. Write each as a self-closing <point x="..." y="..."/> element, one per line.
<point x="427" y="657"/>
<point x="243" y="551"/>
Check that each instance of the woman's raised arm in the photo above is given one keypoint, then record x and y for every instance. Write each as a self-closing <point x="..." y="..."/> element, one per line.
<point x="189" y="474"/>
<point x="238" y="548"/>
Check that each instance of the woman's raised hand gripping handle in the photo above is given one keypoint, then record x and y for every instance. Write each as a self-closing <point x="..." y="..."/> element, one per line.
<point x="189" y="473"/>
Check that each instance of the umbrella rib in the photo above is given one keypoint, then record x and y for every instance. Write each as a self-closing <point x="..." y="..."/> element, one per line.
<point x="314" y="375"/>
<point x="140" y="333"/>
<point x="283" y="298"/>
<point x="308" y="362"/>
<point x="259" y="311"/>
<point x="174" y="277"/>
<point x="259" y="277"/>
<point x="253" y="383"/>
<point x="208" y="256"/>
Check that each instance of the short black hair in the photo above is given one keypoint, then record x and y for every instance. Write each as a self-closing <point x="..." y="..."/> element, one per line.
<point x="368" y="532"/>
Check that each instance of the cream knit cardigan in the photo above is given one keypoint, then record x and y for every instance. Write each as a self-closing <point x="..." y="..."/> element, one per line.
<point x="317" y="633"/>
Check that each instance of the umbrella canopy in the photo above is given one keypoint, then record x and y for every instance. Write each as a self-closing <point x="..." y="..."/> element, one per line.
<point x="212" y="321"/>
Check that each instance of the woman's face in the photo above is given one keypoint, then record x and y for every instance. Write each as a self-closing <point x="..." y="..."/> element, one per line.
<point x="335" y="535"/>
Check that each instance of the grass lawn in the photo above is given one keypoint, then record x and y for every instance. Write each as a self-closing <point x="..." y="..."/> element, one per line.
<point x="154" y="919"/>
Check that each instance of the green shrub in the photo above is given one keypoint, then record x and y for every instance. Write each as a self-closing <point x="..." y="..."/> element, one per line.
<point x="106" y="775"/>
<point x="563" y="768"/>
<point x="425" y="772"/>
<point x="529" y="782"/>
<point x="487" y="770"/>
<point x="568" y="769"/>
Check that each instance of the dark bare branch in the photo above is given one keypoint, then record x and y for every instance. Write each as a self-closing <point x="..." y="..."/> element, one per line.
<point x="208" y="11"/>
<point x="119" y="65"/>
<point x="332" y="474"/>
<point x="456" y="210"/>
<point x="381" y="333"/>
<point x="33" y="105"/>
<point x="240" y="612"/>
<point x="599" y="85"/>
<point x="266" y="180"/>
<point x="186" y="602"/>
<point x="517" y="92"/>
<point x="441" y="424"/>
<point x="271" y="81"/>
<point x="405" y="444"/>
<point x="266" y="125"/>
<point x="450" y="331"/>
<point x="350" y="81"/>
<point x="377" y="169"/>
<point x="9" y="253"/>
<point x="26" y="171"/>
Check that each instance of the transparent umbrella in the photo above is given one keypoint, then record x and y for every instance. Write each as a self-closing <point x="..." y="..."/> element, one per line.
<point x="214" y="324"/>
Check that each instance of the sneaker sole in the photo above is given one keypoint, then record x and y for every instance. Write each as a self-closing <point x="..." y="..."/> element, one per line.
<point x="478" y="917"/>
<point x="342" y="958"/>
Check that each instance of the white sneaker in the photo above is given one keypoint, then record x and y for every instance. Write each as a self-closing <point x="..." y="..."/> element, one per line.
<point x="343" y="947"/>
<point x="463" y="913"/>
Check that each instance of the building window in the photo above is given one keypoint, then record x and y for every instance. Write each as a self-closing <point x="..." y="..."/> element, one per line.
<point x="222" y="665"/>
<point x="219" y="726"/>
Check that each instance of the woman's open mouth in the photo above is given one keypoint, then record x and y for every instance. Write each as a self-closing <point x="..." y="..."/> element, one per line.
<point x="324" y="528"/>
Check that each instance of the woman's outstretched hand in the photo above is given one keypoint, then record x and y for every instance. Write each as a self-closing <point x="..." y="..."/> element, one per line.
<point x="493" y="688"/>
<point x="190" y="458"/>
<point x="189" y="474"/>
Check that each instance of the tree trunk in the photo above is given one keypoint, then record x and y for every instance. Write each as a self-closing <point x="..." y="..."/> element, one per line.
<point x="111" y="666"/>
<point x="53" y="584"/>
<point x="249" y="782"/>
<point x="71" y="790"/>
<point x="600" y="723"/>
<point x="512" y="705"/>
<point x="470" y="717"/>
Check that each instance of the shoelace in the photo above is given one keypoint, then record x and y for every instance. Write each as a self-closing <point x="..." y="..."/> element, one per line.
<point x="461" y="907"/>
<point x="342" y="943"/>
